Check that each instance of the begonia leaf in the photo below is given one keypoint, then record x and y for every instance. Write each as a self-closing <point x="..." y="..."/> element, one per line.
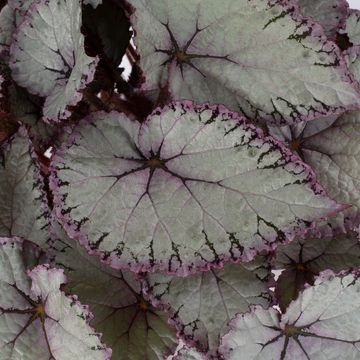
<point x="133" y="328"/>
<point x="260" y="57"/>
<point x="305" y="258"/>
<point x="49" y="42"/>
<point x="323" y="323"/>
<point x="331" y="147"/>
<point x="186" y="190"/>
<point x="23" y="207"/>
<point x="201" y="305"/>
<point x="37" y="321"/>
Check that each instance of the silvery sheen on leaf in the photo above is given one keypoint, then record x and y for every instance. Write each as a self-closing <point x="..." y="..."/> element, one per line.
<point x="37" y="320"/>
<point x="47" y="56"/>
<point x="323" y="323"/>
<point x="259" y="57"/>
<point x="186" y="190"/>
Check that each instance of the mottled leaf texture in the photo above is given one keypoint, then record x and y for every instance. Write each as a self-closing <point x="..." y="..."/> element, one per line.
<point x="48" y="56"/>
<point x="256" y="56"/>
<point x="187" y="189"/>
<point x="201" y="305"/>
<point x="188" y="354"/>
<point x="37" y="321"/>
<point x="331" y="14"/>
<point x="331" y="147"/>
<point x="323" y="323"/>
<point x="23" y="207"/>
<point x="130" y="326"/>
<point x="303" y="259"/>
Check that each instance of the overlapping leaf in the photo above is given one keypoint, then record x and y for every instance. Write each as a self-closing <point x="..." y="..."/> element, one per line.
<point x="190" y="188"/>
<point x="23" y="207"/>
<point x="27" y="109"/>
<point x="130" y="326"/>
<point x="37" y="321"/>
<point x="331" y="14"/>
<point x="48" y="56"/>
<point x="260" y="57"/>
<point x="201" y="305"/>
<point x="303" y="259"/>
<point x="11" y="16"/>
<point x="323" y="323"/>
<point x="331" y="147"/>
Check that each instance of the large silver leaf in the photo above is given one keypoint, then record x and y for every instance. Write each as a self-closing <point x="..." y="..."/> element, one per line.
<point x="323" y="323"/>
<point x="37" y="321"/>
<point x="23" y="206"/>
<point x="190" y="188"/>
<point x="260" y="57"/>
<point x="48" y="56"/>
<point x="133" y="328"/>
<point x="201" y="305"/>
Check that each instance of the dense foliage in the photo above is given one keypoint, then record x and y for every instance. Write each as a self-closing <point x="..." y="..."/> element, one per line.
<point x="205" y="206"/>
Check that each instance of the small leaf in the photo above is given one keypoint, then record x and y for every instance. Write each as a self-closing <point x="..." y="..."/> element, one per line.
<point x="331" y="14"/>
<point x="49" y="42"/>
<point x="23" y="207"/>
<point x="133" y="328"/>
<point x="37" y="320"/>
<point x="243" y="54"/>
<point x="201" y="305"/>
<point x="323" y="323"/>
<point x="186" y="190"/>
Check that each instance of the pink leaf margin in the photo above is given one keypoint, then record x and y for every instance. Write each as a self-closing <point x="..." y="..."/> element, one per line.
<point x="86" y="78"/>
<point x="293" y="230"/>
